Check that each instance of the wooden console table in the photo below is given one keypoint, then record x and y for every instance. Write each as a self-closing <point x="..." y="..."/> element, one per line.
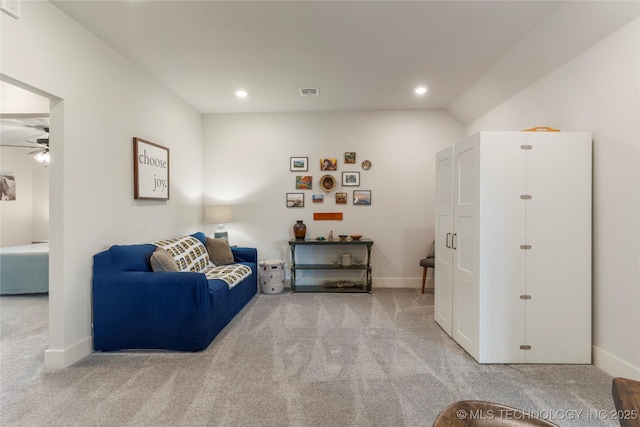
<point x="315" y="244"/>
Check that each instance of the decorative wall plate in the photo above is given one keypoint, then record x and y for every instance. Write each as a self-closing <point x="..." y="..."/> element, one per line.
<point x="366" y="165"/>
<point x="327" y="183"/>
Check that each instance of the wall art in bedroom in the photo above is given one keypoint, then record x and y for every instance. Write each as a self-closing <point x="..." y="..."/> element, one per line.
<point x="7" y="186"/>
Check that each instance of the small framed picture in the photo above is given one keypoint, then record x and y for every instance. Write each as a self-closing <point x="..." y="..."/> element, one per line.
<point x="303" y="182"/>
<point x="295" y="200"/>
<point x="299" y="164"/>
<point x="350" y="157"/>
<point x="341" y="198"/>
<point x="328" y="164"/>
<point x="317" y="198"/>
<point x="351" y="179"/>
<point x="362" y="197"/>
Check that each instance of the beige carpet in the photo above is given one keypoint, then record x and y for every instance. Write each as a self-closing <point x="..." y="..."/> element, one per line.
<point x="286" y="360"/>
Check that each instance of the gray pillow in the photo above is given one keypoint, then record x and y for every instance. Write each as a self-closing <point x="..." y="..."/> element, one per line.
<point x="161" y="260"/>
<point x="219" y="251"/>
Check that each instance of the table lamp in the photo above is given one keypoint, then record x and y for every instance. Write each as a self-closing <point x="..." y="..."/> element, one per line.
<point x="219" y="214"/>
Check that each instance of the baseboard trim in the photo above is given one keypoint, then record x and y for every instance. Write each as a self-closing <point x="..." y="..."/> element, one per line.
<point x="399" y="282"/>
<point x="613" y="365"/>
<point x="60" y="359"/>
<point x="394" y="282"/>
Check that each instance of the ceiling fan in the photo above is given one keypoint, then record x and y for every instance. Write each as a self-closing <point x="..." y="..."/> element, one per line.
<point x="39" y="141"/>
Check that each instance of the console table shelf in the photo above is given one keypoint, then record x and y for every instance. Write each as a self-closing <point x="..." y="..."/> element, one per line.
<point x="357" y="287"/>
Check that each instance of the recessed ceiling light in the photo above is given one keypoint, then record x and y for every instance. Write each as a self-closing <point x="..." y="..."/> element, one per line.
<point x="420" y="90"/>
<point x="241" y="93"/>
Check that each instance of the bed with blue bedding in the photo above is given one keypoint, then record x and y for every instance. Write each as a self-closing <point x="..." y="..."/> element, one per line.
<point x="24" y="269"/>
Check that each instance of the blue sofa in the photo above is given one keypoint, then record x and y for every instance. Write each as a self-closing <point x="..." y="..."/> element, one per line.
<point x="136" y="308"/>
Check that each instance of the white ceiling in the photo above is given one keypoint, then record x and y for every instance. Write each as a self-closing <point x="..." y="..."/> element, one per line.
<point x="23" y="115"/>
<point x="361" y="55"/>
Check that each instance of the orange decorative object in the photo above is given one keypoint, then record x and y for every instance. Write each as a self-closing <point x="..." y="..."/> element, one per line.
<point x="541" y="129"/>
<point x="324" y="216"/>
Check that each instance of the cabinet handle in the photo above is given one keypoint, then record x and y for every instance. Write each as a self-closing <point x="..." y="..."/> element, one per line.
<point x="453" y="239"/>
<point x="446" y="243"/>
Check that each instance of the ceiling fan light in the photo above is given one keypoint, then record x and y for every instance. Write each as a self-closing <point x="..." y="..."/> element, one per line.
<point x="43" y="157"/>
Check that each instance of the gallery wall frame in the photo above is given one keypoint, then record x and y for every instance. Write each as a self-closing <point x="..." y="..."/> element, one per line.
<point x="328" y="164"/>
<point x="298" y="164"/>
<point x="150" y="170"/>
<point x="362" y="197"/>
<point x="350" y="157"/>
<point x="295" y="200"/>
<point x="350" y="179"/>
<point x="304" y="182"/>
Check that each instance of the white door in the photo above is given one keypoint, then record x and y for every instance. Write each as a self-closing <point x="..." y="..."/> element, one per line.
<point x="558" y="315"/>
<point x="444" y="231"/>
<point x="464" y="243"/>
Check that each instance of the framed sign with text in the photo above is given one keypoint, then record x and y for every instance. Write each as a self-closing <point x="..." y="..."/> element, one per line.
<point x="150" y="170"/>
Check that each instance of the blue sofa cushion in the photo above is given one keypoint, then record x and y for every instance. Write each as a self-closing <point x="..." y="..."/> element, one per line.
<point x="133" y="257"/>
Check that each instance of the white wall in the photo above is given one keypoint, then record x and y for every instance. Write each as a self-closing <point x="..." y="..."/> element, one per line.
<point x="599" y="91"/>
<point x="100" y="102"/>
<point x="40" y="208"/>
<point x="246" y="163"/>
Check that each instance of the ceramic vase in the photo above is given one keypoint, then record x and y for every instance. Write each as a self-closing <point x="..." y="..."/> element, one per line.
<point x="299" y="230"/>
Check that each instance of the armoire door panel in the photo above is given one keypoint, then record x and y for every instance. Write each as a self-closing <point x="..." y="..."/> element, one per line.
<point x="558" y="334"/>
<point x="444" y="178"/>
<point x="443" y="290"/>
<point x="465" y="327"/>
<point x="443" y="274"/>
<point x="502" y="263"/>
<point x="559" y="262"/>
<point x="465" y="244"/>
<point x="466" y="177"/>
<point x="443" y="297"/>
<point x="465" y="261"/>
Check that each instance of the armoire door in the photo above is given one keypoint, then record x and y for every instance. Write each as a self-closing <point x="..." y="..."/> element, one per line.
<point x="464" y="242"/>
<point x="502" y="260"/>
<point x="444" y="232"/>
<point x="558" y="315"/>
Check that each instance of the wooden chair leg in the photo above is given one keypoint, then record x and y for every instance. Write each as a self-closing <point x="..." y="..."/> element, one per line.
<point x="424" y="277"/>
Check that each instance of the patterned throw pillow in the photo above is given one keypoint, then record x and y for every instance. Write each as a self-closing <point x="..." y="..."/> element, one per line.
<point x="188" y="252"/>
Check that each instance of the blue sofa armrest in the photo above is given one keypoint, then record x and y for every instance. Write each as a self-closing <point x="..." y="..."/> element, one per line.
<point x="245" y="254"/>
<point x="137" y="309"/>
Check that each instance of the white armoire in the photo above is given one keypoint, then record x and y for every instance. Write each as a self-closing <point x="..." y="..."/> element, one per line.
<point x="513" y="246"/>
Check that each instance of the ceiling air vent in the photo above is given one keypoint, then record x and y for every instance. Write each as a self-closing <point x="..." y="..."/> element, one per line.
<point x="309" y="91"/>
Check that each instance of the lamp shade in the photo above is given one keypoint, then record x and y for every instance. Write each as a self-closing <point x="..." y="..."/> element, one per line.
<point x="219" y="214"/>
